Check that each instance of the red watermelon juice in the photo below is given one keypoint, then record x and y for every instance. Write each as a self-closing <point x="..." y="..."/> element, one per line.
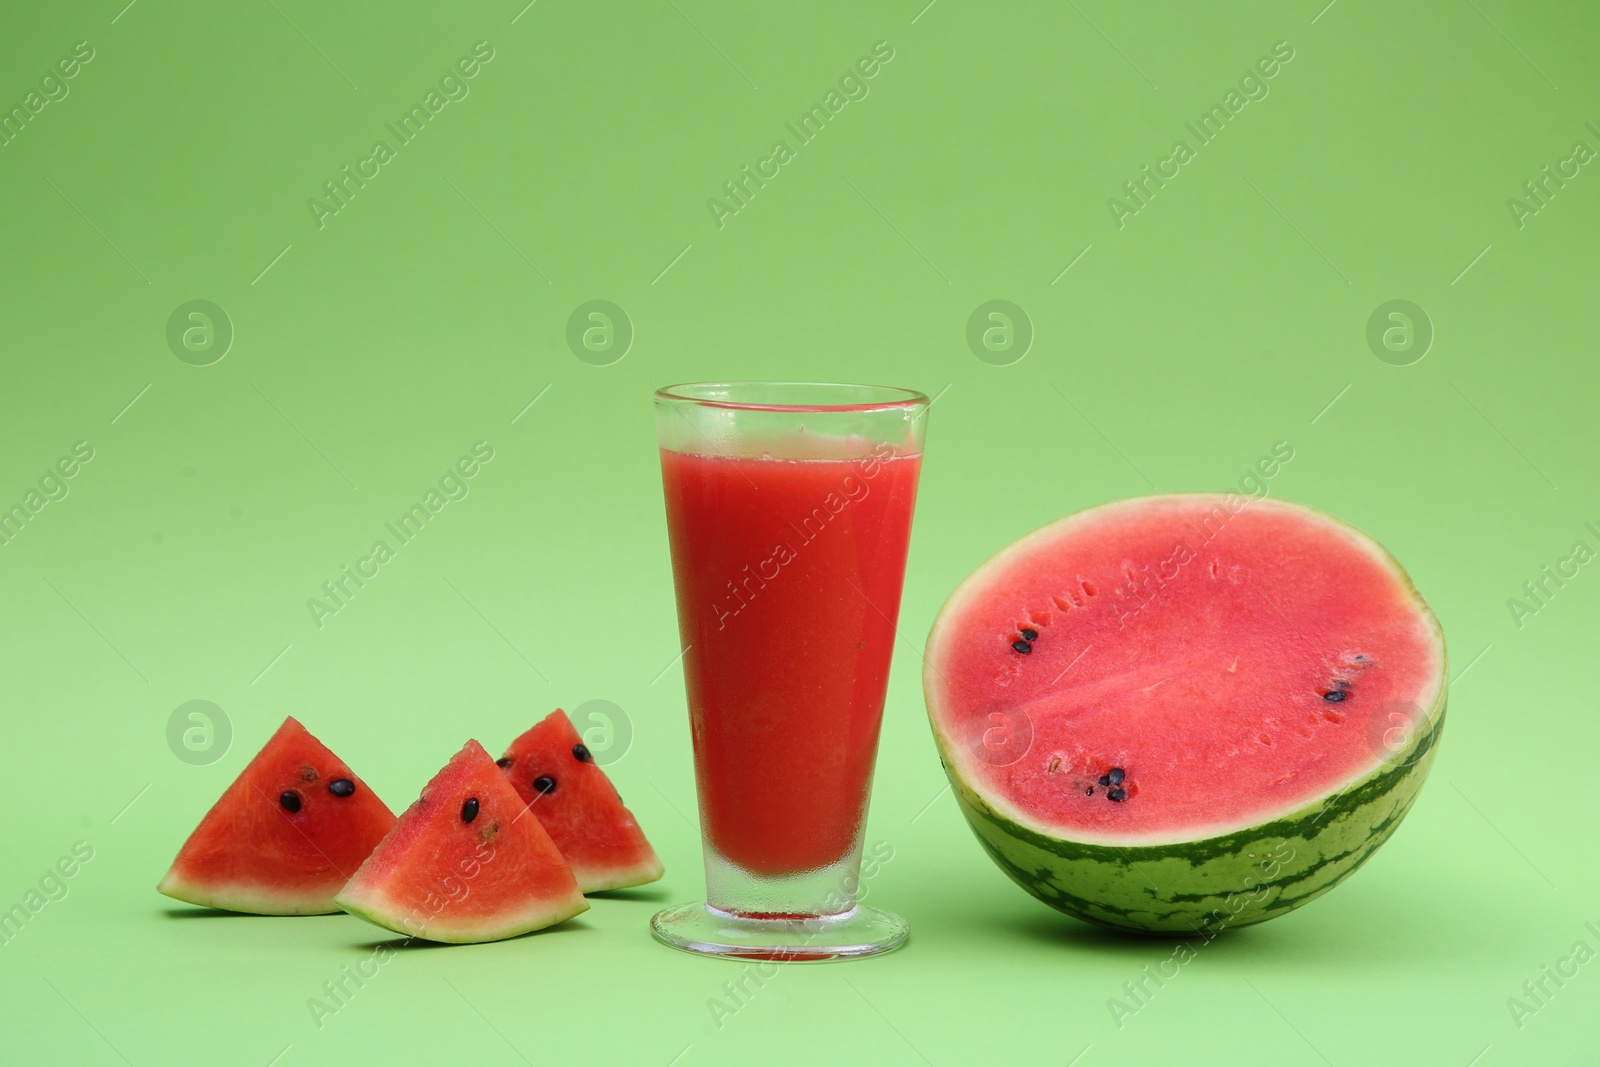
<point x="788" y="574"/>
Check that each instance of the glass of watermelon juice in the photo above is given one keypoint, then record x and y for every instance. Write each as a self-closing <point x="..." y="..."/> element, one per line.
<point x="788" y="512"/>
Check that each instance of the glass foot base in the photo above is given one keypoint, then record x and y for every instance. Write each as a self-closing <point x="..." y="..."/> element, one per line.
<point x="698" y="927"/>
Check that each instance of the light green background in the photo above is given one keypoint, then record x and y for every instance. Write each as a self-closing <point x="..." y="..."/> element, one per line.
<point x="1226" y="316"/>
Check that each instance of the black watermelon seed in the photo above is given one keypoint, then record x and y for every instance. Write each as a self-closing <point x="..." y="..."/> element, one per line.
<point x="342" y="787"/>
<point x="290" y="801"/>
<point x="1115" y="775"/>
<point x="1030" y="635"/>
<point x="581" y="751"/>
<point x="1333" y="696"/>
<point x="1105" y="779"/>
<point x="469" y="810"/>
<point x="545" y="784"/>
<point x="1118" y="795"/>
<point x="1022" y="646"/>
<point x="1089" y="792"/>
<point x="503" y="761"/>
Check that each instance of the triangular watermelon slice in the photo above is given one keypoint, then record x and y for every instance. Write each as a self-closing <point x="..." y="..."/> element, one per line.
<point x="464" y="863"/>
<point x="286" y="835"/>
<point x="557" y="777"/>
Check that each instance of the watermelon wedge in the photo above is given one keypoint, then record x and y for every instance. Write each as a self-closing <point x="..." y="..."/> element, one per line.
<point x="1187" y="712"/>
<point x="465" y="863"/>
<point x="576" y="803"/>
<point x="285" y="836"/>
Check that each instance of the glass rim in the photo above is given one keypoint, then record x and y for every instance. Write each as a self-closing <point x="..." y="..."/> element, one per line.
<point x="890" y="398"/>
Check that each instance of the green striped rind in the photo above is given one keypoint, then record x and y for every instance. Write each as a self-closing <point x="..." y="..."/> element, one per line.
<point x="1216" y="883"/>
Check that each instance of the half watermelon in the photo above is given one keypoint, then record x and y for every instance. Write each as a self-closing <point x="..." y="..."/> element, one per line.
<point x="555" y="774"/>
<point x="465" y="863"/>
<point x="285" y="836"/>
<point x="1186" y="712"/>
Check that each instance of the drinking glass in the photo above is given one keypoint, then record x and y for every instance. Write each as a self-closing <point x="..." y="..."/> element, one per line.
<point x="788" y="512"/>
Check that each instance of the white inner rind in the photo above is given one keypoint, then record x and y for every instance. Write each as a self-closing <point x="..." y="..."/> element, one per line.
<point x="376" y="906"/>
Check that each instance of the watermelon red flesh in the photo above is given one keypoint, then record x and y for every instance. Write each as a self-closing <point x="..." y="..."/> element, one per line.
<point x="252" y="854"/>
<point x="1181" y="650"/>
<point x="439" y="876"/>
<point x="1192" y="647"/>
<point x="583" y="813"/>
